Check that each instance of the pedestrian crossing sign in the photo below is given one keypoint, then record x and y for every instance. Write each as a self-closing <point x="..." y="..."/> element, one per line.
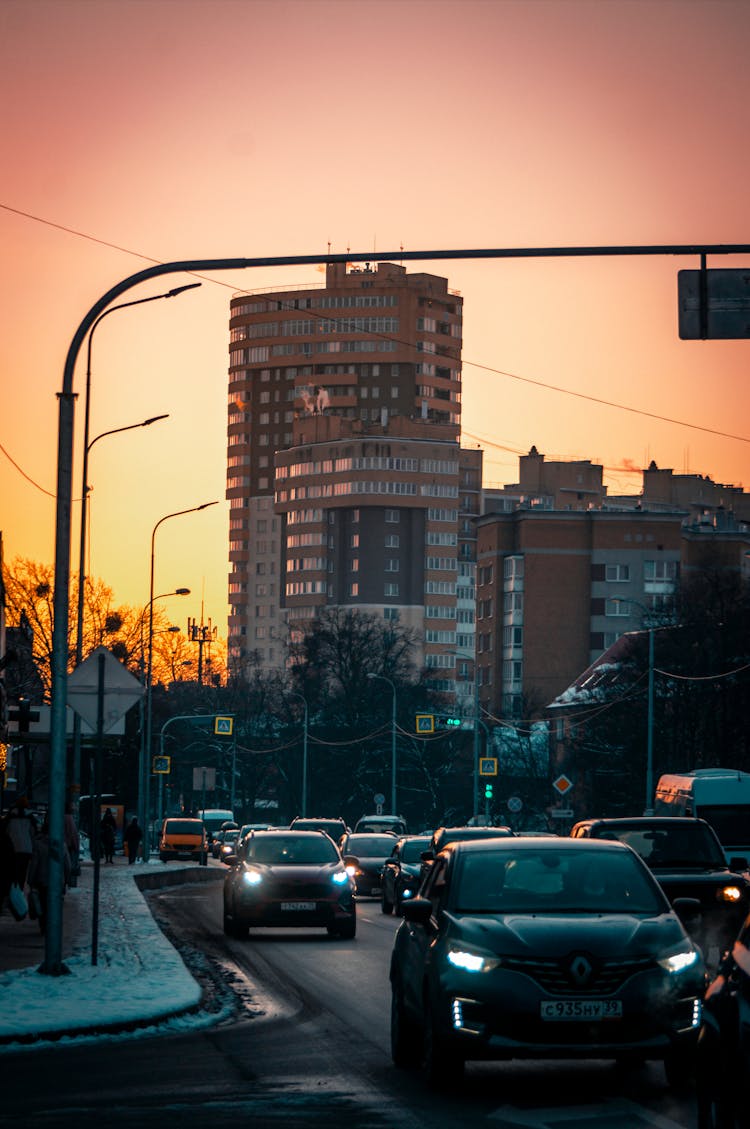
<point x="425" y="723"/>
<point x="223" y="726"/>
<point x="162" y="764"/>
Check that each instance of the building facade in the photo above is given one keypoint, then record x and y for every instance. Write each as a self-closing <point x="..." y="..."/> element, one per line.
<point x="347" y="483"/>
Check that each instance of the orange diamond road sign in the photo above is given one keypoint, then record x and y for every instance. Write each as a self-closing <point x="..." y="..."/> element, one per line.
<point x="562" y="785"/>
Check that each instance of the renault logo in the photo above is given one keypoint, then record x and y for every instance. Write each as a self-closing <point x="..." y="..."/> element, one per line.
<point x="580" y="970"/>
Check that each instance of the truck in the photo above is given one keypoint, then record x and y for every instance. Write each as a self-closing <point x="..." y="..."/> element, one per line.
<point x="721" y="796"/>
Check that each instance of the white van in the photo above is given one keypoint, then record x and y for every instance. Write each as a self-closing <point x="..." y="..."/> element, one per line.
<point x="213" y="818"/>
<point x="721" y="796"/>
<point x="376" y="823"/>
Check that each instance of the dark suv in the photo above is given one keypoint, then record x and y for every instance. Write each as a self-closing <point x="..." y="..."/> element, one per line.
<point x="336" y="828"/>
<point x="687" y="861"/>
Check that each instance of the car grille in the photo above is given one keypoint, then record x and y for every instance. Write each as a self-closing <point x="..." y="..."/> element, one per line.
<point x="300" y="891"/>
<point x="554" y="976"/>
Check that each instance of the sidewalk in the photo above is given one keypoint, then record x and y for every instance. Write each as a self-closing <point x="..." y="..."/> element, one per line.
<point x="139" y="977"/>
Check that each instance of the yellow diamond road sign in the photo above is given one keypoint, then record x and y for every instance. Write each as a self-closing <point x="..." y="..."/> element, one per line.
<point x="562" y="784"/>
<point x="223" y="726"/>
<point x="425" y="723"/>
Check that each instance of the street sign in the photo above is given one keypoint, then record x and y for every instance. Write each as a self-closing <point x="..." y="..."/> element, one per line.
<point x="223" y="726"/>
<point x="204" y="777"/>
<point x="562" y="785"/>
<point x="378" y="798"/>
<point x="515" y="803"/>
<point x="161" y="765"/>
<point x="121" y="690"/>
<point x="714" y="304"/>
<point x="561" y="813"/>
<point x="488" y="766"/>
<point x="425" y="723"/>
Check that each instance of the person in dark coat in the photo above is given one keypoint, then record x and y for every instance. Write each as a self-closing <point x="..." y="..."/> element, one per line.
<point x="7" y="864"/>
<point x="107" y="831"/>
<point x="133" y="837"/>
<point x="21" y="827"/>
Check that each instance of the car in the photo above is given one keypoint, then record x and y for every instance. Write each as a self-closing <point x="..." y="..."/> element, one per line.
<point x="395" y="823"/>
<point x="723" y="1054"/>
<point x="289" y="878"/>
<point x="228" y="844"/>
<point x="366" y="855"/>
<point x="183" y="838"/>
<point x="401" y="872"/>
<point x="687" y="860"/>
<point x="525" y="948"/>
<point x="336" y="828"/>
<point x="444" y="835"/>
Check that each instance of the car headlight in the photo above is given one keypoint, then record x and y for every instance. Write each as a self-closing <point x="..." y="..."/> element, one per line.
<point x="252" y="877"/>
<point x="730" y="894"/>
<point x="677" y="961"/>
<point x="340" y="878"/>
<point x="471" y="960"/>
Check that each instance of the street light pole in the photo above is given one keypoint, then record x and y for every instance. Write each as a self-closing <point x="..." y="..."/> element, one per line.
<point x="382" y="677"/>
<point x="75" y="784"/>
<point x="477" y="723"/>
<point x="296" y="694"/>
<point x="145" y="769"/>
<point x="648" y="810"/>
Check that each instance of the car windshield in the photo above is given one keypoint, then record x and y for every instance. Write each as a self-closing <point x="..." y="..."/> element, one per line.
<point x="554" y="881"/>
<point x="184" y="827"/>
<point x="291" y="849"/>
<point x="411" y="850"/>
<point x="331" y="827"/>
<point x="370" y="846"/>
<point x="681" y="844"/>
<point x="462" y="834"/>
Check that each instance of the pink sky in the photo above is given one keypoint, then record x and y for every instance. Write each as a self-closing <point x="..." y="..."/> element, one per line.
<point x="180" y="130"/>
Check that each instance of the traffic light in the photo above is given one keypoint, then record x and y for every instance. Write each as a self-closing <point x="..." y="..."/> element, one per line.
<point x="443" y="721"/>
<point x="488" y="791"/>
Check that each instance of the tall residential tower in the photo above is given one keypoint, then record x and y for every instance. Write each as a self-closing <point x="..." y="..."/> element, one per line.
<point x="346" y="480"/>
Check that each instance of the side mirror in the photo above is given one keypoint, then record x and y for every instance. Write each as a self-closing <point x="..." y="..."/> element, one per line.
<point x="230" y="860"/>
<point x="688" y="910"/>
<point x="419" y="910"/>
<point x="427" y="856"/>
<point x="738" y="862"/>
<point x="351" y="860"/>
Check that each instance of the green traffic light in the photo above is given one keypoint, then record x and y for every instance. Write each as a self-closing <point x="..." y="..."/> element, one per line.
<point x="488" y="791"/>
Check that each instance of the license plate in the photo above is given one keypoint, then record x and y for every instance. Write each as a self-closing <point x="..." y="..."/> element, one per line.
<point x="297" y="905"/>
<point x="583" y="1010"/>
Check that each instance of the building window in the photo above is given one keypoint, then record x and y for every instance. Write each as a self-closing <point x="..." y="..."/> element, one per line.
<point x="392" y="564"/>
<point x="353" y="564"/>
<point x="617" y="607"/>
<point x="354" y="541"/>
<point x="392" y="516"/>
<point x="660" y="571"/>
<point x="390" y="613"/>
<point x="354" y="588"/>
<point x="617" y="573"/>
<point x="390" y="590"/>
<point x="391" y="540"/>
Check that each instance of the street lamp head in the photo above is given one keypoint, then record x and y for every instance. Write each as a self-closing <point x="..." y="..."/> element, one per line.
<point x="154" y="419"/>
<point x="182" y="591"/>
<point x="181" y="289"/>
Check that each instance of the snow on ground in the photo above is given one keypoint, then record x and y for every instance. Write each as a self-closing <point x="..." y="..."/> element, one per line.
<point x="138" y="977"/>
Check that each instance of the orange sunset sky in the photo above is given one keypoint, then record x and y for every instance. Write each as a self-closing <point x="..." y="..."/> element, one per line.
<point x="157" y="130"/>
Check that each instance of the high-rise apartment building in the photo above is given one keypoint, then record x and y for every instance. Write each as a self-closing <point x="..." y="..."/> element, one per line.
<point x="346" y="480"/>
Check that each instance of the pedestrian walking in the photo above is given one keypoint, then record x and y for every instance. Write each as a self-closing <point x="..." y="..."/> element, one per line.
<point x="133" y="837"/>
<point x="7" y="864"/>
<point x="21" y="827"/>
<point x="38" y="875"/>
<point x="73" y="844"/>
<point x="107" y="831"/>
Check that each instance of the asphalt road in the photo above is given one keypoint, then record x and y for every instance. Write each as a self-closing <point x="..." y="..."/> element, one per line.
<point x="308" y="1046"/>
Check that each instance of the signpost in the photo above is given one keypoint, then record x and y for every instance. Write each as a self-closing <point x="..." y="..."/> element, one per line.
<point x="101" y="690"/>
<point x="714" y="304"/>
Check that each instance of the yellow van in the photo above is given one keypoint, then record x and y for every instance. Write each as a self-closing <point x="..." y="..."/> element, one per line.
<point x="183" y="839"/>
